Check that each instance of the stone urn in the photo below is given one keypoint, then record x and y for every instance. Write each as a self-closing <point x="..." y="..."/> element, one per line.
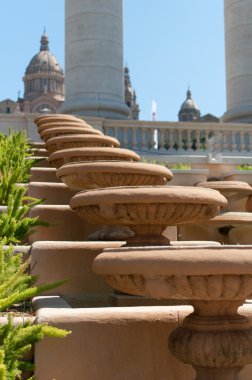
<point x="232" y="216"/>
<point x="50" y="133"/>
<point x="91" y="175"/>
<point x="59" y="124"/>
<point x="215" y="339"/>
<point x="43" y="119"/>
<point x="235" y="227"/>
<point x="64" y="156"/>
<point x="99" y="174"/>
<point x="147" y="210"/>
<point x="233" y="191"/>
<point x="239" y="175"/>
<point x="80" y="141"/>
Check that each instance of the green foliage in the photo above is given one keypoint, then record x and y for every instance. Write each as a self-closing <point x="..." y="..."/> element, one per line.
<point x="14" y="222"/>
<point x="157" y="162"/>
<point x="180" y="166"/>
<point x="15" y="163"/>
<point x="16" y="284"/>
<point x="244" y="167"/>
<point x="16" y="340"/>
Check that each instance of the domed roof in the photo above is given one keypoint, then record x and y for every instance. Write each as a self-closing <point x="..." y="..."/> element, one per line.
<point x="44" y="60"/>
<point x="189" y="109"/>
<point x="189" y="103"/>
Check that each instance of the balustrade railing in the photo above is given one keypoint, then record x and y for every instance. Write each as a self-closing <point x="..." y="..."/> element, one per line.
<point x="145" y="137"/>
<point x="182" y="138"/>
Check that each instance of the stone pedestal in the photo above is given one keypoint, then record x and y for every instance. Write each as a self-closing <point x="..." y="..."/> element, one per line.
<point x="52" y="193"/>
<point x="204" y="339"/>
<point x="56" y="260"/>
<point x="64" y="224"/>
<point x="43" y="175"/>
<point x="141" y="333"/>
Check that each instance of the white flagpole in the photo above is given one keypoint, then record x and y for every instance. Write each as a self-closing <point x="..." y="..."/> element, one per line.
<point x="153" y="111"/>
<point x="154" y="118"/>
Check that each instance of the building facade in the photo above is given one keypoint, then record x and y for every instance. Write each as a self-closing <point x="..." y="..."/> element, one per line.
<point x="44" y="87"/>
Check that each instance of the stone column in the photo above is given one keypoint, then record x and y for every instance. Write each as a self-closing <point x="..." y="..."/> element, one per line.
<point x="94" y="74"/>
<point x="238" y="43"/>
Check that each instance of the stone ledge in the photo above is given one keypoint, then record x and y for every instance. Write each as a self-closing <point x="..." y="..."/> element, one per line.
<point x="141" y="332"/>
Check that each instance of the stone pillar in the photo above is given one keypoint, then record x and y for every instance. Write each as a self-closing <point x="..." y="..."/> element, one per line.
<point x="94" y="74"/>
<point x="238" y="41"/>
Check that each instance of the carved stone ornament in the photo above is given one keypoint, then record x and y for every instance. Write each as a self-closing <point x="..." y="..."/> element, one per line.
<point x="214" y="339"/>
<point x="49" y="133"/>
<point x="44" y="119"/>
<point x="64" y="156"/>
<point x="80" y="141"/>
<point x="232" y="190"/>
<point x="67" y="123"/>
<point x="147" y="210"/>
<point x="92" y="175"/>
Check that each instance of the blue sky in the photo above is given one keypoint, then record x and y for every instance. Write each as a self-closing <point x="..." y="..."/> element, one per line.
<point x="168" y="45"/>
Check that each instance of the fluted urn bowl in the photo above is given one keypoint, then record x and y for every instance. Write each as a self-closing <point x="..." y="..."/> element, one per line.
<point x="64" y="156"/>
<point x="215" y="339"/>
<point x="80" y="141"/>
<point x="230" y="219"/>
<point x="43" y="119"/>
<point x="236" y="226"/>
<point x="147" y="210"/>
<point x="213" y="273"/>
<point x="50" y="133"/>
<point x="92" y="175"/>
<point x="59" y="124"/>
<point x="232" y="190"/>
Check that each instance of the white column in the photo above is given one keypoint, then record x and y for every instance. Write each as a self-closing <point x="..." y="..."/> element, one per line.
<point x="94" y="75"/>
<point x="238" y="44"/>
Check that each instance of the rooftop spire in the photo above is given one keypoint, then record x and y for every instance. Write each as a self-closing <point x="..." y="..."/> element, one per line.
<point x="44" y="42"/>
<point x="188" y="93"/>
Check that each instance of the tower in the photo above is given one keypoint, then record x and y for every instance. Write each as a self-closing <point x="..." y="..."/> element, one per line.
<point x="43" y="82"/>
<point x="130" y="96"/>
<point x="238" y="48"/>
<point x="94" y="59"/>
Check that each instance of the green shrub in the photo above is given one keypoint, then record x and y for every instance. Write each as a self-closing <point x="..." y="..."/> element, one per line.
<point x="15" y="163"/>
<point x="15" y="225"/>
<point x="16" y="284"/>
<point x="244" y="167"/>
<point x="157" y="162"/>
<point x="16" y="340"/>
<point x="180" y="166"/>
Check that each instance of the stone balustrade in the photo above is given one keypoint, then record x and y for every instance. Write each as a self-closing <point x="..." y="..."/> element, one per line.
<point x="181" y="138"/>
<point x="164" y="138"/>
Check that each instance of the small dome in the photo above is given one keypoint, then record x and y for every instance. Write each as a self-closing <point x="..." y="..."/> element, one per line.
<point x="189" y="109"/>
<point x="189" y="103"/>
<point x="44" y="60"/>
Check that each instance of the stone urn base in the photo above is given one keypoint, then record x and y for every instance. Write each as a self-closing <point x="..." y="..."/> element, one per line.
<point x="216" y="280"/>
<point x="215" y="340"/>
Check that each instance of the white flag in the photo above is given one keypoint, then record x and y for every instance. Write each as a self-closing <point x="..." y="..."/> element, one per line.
<point x="153" y="111"/>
